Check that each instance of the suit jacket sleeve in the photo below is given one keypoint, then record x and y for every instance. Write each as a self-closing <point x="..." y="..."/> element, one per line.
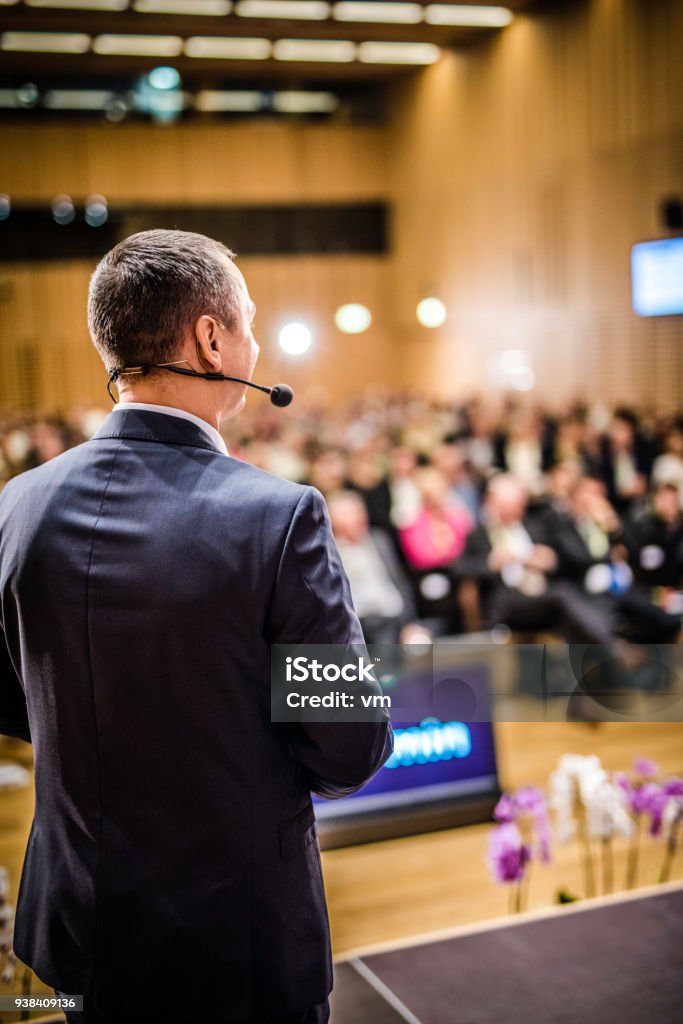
<point x="311" y="604"/>
<point x="13" y="713"/>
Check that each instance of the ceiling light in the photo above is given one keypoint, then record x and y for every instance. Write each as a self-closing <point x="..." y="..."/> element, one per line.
<point x="8" y="3"/>
<point x="399" y="14"/>
<point x="206" y="7"/>
<point x="77" y="99"/>
<point x="305" y="10"/>
<point x="83" y="5"/>
<point x="322" y="50"/>
<point x="232" y="48"/>
<point x="63" y="209"/>
<point x="353" y="318"/>
<point x="164" y="78"/>
<point x="398" y="53"/>
<point x="5" y="206"/>
<point x="431" y="312"/>
<point x="117" y="109"/>
<point x="96" y="211"/>
<point x="295" y="339"/>
<point x="236" y="100"/>
<point x="45" y="42"/>
<point x="293" y="102"/>
<point x="467" y="14"/>
<point x="138" y="46"/>
<point x="28" y="94"/>
<point x="8" y="97"/>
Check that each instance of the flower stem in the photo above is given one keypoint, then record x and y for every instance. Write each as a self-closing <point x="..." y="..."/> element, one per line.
<point x="671" y="846"/>
<point x="632" y="863"/>
<point x="607" y="865"/>
<point x="586" y="855"/>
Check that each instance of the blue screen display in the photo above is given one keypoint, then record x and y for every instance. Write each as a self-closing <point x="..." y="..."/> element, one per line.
<point x="657" y="277"/>
<point x="434" y="759"/>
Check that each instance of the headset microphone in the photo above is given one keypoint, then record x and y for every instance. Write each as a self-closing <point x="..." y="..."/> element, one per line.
<point x="280" y="394"/>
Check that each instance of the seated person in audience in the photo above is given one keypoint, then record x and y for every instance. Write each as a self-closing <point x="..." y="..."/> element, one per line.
<point x="592" y="550"/>
<point x="436" y="536"/>
<point x="381" y="594"/>
<point x="327" y="471"/>
<point x="655" y="543"/>
<point x="508" y="556"/>
<point x="523" y="448"/>
<point x="448" y="458"/>
<point x="668" y="467"/>
<point x="624" y="462"/>
<point x="365" y="477"/>
<point x="404" y="491"/>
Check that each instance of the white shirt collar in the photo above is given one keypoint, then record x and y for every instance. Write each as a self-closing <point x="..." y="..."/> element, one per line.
<point x="170" y="410"/>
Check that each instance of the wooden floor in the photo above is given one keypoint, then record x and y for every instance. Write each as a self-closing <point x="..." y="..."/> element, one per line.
<point x="410" y="887"/>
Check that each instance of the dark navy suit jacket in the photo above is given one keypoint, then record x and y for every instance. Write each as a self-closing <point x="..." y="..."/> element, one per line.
<point x="173" y="858"/>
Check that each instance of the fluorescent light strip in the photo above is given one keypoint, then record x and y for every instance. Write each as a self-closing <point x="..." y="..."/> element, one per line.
<point x="233" y="100"/>
<point x="8" y="98"/>
<point x="45" y="42"/>
<point x="300" y="10"/>
<point x="228" y="48"/>
<point x="293" y="102"/>
<point x="335" y="51"/>
<point x="77" y="99"/>
<point x="468" y="15"/>
<point x="398" y="14"/>
<point x="8" y="3"/>
<point x="215" y="8"/>
<point x="81" y="5"/>
<point x="398" y="53"/>
<point x="137" y="46"/>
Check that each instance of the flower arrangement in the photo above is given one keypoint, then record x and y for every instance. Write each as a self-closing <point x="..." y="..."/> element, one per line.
<point x="590" y="806"/>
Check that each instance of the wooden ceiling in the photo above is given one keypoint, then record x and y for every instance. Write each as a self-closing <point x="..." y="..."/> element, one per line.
<point x="89" y="68"/>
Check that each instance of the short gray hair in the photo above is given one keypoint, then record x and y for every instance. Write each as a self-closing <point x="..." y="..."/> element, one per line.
<point x="149" y="290"/>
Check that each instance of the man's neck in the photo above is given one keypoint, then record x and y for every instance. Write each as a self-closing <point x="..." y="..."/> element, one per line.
<point x="148" y="396"/>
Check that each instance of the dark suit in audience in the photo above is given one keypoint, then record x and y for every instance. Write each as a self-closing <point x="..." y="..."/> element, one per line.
<point x="508" y="555"/>
<point x="592" y="549"/>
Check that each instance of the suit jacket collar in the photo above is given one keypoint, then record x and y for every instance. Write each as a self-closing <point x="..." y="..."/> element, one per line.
<point x="141" y="425"/>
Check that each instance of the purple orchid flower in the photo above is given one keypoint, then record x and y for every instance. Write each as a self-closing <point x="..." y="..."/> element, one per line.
<point x="508" y="856"/>
<point x="646" y="767"/>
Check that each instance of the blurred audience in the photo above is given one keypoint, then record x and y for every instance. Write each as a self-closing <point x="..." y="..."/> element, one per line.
<point x="468" y="514"/>
<point x="381" y="592"/>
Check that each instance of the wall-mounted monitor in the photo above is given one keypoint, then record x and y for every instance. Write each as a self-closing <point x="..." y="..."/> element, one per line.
<point x="657" y="277"/>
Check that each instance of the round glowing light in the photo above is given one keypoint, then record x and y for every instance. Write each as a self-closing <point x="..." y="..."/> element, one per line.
<point x="5" y="206"/>
<point x="522" y="378"/>
<point x="295" y="339"/>
<point x="27" y="94"/>
<point x="431" y="312"/>
<point x="116" y="110"/>
<point x="164" y="78"/>
<point x="353" y="318"/>
<point x="96" y="211"/>
<point x="63" y="209"/>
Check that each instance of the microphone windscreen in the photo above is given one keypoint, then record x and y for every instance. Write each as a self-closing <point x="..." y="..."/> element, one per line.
<point x="281" y="395"/>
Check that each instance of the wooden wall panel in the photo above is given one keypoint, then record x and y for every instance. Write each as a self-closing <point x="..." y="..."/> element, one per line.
<point x="243" y="163"/>
<point x="524" y="171"/>
<point x="48" y="362"/>
<point x="42" y="307"/>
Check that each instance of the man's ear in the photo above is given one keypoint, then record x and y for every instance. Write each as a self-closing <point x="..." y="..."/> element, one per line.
<point x="208" y="342"/>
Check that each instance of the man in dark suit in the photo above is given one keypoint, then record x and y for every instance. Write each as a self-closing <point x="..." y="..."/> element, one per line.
<point x="172" y="871"/>
<point x="592" y="548"/>
<point x="509" y="556"/>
